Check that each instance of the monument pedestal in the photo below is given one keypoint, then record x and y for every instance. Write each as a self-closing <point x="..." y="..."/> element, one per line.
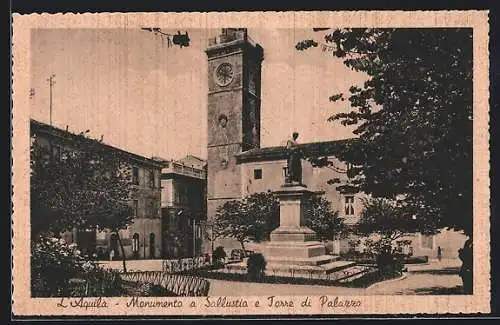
<point x="293" y="250"/>
<point x="293" y="245"/>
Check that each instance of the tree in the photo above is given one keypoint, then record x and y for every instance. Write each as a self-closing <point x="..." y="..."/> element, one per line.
<point x="413" y="117"/>
<point x="256" y="216"/>
<point x="211" y="232"/>
<point x="386" y="223"/>
<point x="389" y="220"/>
<point x="250" y="219"/>
<point x="87" y="186"/>
<point x="323" y="220"/>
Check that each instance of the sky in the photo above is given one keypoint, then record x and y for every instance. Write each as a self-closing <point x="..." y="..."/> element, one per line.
<point x="142" y="96"/>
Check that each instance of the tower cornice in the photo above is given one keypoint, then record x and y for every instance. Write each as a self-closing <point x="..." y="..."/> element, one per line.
<point x="237" y="46"/>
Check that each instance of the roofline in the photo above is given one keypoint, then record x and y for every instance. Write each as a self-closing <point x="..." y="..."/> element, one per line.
<point x="196" y="157"/>
<point x="63" y="134"/>
<point x="280" y="153"/>
<point x="246" y="156"/>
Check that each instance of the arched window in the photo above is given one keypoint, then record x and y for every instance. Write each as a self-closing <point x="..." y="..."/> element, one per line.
<point x="135" y="243"/>
<point x="113" y="245"/>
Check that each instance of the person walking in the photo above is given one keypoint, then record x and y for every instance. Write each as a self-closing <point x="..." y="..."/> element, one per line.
<point x="440" y="253"/>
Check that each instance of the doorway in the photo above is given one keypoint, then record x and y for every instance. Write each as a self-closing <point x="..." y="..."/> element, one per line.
<point x="135" y="245"/>
<point x="113" y="245"/>
<point x="151" y="245"/>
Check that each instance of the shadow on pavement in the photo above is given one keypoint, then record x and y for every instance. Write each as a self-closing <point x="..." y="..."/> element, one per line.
<point x="448" y="270"/>
<point x="438" y="291"/>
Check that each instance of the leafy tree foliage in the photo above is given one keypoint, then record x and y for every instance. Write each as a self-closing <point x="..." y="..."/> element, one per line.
<point x="85" y="186"/>
<point x="413" y="117"/>
<point x="54" y="264"/>
<point x="250" y="219"/>
<point x="211" y="231"/>
<point x="254" y="217"/>
<point x="387" y="219"/>
<point x="323" y="220"/>
<point x="384" y="224"/>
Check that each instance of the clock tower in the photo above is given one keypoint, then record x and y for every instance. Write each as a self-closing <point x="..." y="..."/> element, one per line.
<point x="234" y="74"/>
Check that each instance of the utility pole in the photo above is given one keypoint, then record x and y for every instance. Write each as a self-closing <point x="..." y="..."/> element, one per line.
<point x="52" y="82"/>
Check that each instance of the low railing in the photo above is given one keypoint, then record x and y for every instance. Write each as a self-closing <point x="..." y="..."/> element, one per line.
<point x="179" y="285"/>
<point x="185" y="264"/>
<point x="184" y="170"/>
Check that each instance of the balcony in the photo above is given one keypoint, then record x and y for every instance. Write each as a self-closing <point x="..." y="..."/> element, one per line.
<point x="181" y="169"/>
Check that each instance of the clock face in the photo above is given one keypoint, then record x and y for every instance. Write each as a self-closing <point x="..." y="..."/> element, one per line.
<point x="224" y="74"/>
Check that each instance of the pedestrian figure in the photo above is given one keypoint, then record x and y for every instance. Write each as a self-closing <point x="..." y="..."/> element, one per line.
<point x="111" y="254"/>
<point x="440" y="253"/>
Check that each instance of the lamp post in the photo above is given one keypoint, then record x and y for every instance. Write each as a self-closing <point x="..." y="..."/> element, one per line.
<point x="52" y="82"/>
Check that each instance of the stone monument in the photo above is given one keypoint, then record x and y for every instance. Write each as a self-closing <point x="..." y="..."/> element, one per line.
<point x="293" y="246"/>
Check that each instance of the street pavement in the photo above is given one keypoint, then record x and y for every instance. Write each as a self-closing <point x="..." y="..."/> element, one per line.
<point x="435" y="277"/>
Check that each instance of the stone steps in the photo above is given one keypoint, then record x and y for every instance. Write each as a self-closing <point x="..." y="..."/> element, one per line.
<point x="354" y="274"/>
<point x="310" y="261"/>
<point x="342" y="272"/>
<point x="336" y="266"/>
<point x="278" y="267"/>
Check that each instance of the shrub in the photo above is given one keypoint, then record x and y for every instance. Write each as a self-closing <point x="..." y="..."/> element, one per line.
<point x="218" y="255"/>
<point x="256" y="264"/>
<point x="390" y="263"/>
<point x="53" y="264"/>
<point x="237" y="254"/>
<point x="150" y="290"/>
<point x="59" y="269"/>
<point x="416" y="259"/>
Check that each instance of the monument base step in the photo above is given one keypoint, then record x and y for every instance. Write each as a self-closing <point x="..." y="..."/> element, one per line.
<point x="292" y="250"/>
<point x="287" y="270"/>
<point x="316" y="260"/>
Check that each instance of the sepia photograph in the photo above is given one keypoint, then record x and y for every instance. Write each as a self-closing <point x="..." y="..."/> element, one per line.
<point x="245" y="164"/>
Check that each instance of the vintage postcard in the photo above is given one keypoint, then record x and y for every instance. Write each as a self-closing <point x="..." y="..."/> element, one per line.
<point x="251" y="163"/>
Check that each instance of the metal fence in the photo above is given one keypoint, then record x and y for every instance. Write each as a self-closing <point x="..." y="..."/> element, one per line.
<point x="179" y="285"/>
<point x="185" y="264"/>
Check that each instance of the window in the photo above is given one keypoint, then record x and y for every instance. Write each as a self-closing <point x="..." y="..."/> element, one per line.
<point x="151" y="245"/>
<point x="285" y="171"/>
<point x="348" y="170"/>
<point x="177" y="196"/>
<point x="257" y="174"/>
<point x="135" y="243"/>
<point x="151" y="179"/>
<point x="152" y="212"/>
<point x="172" y="222"/>
<point x="349" y="205"/>
<point x="135" y="175"/>
<point x="135" y="207"/>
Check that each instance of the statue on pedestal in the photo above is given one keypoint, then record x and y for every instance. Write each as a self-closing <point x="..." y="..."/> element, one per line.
<point x="294" y="170"/>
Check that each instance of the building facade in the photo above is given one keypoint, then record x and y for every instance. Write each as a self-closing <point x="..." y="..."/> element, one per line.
<point x="143" y="237"/>
<point x="183" y="206"/>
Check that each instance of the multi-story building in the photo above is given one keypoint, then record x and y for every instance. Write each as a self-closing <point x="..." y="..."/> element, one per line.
<point x="183" y="206"/>
<point x="142" y="238"/>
